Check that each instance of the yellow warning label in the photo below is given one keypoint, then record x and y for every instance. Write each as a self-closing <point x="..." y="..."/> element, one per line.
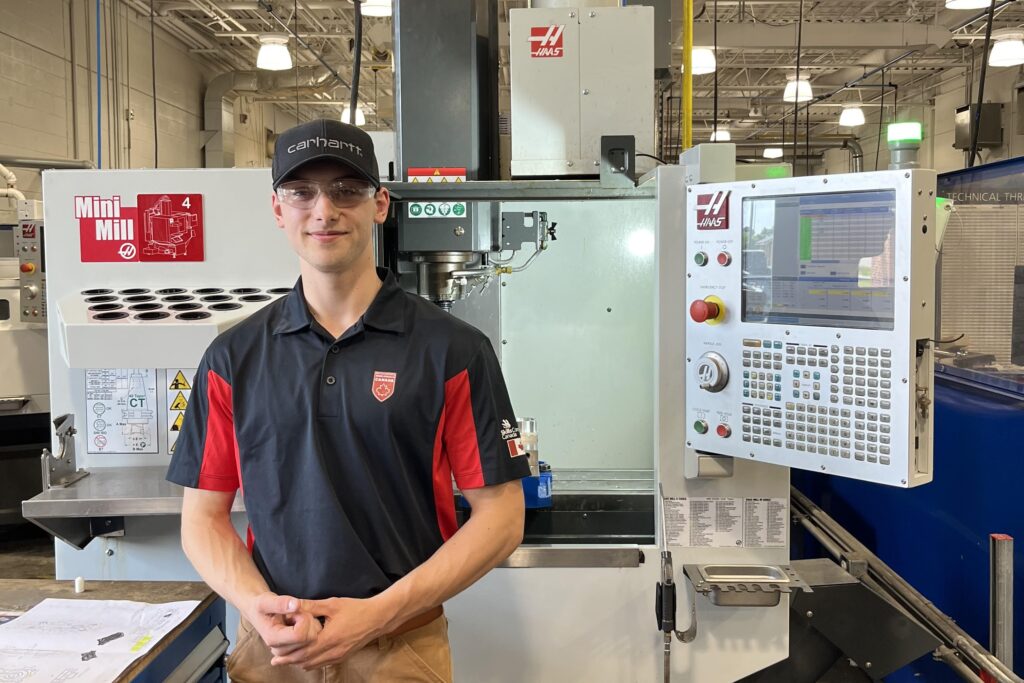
<point x="176" y="427"/>
<point x="180" y="402"/>
<point x="437" y="171"/>
<point x="180" y="383"/>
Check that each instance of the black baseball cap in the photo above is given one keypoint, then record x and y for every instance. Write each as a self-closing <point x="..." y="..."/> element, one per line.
<point x="324" y="139"/>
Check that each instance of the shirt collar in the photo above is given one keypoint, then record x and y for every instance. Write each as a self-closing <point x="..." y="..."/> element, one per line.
<point x="386" y="311"/>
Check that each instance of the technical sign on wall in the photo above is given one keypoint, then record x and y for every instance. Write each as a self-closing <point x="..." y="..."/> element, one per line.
<point x="122" y="410"/>
<point x="160" y="227"/>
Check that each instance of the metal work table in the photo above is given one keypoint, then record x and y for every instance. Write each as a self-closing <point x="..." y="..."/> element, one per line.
<point x="97" y="504"/>
<point x="196" y="644"/>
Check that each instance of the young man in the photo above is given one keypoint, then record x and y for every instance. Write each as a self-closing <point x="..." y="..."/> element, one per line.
<point x="342" y="411"/>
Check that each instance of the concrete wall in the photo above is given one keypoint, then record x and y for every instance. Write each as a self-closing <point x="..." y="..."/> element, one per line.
<point x="49" y="109"/>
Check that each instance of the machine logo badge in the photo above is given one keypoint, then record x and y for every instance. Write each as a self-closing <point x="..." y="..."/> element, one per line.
<point x="713" y="211"/>
<point x="127" y="251"/>
<point x="383" y="385"/>
<point x="546" y="41"/>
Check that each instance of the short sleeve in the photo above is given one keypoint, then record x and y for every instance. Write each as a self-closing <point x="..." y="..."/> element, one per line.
<point x="206" y="452"/>
<point x="481" y="436"/>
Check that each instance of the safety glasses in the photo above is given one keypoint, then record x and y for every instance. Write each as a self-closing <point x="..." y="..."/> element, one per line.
<point x="344" y="193"/>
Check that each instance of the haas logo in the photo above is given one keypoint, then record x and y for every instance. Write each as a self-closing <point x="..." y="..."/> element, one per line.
<point x="546" y="41"/>
<point x="713" y="211"/>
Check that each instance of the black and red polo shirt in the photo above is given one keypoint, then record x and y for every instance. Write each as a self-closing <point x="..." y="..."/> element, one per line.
<point x="345" y="449"/>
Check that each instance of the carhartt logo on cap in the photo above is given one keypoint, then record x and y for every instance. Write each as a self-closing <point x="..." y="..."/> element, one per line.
<point x="324" y="143"/>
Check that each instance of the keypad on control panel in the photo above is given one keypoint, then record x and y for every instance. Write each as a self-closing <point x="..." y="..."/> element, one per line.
<point x="837" y="399"/>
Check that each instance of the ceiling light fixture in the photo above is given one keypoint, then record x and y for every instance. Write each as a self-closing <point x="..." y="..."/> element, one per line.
<point x="376" y="8"/>
<point x="967" y="4"/>
<point x="772" y="153"/>
<point x="798" y="90"/>
<point x="346" y="116"/>
<point x="273" y="54"/>
<point x="721" y="136"/>
<point x="703" y="61"/>
<point x="852" y="116"/>
<point x="1008" y="49"/>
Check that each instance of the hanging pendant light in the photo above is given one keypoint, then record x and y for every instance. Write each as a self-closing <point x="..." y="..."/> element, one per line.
<point x="346" y="116"/>
<point x="703" y="61"/>
<point x="772" y="153"/>
<point x="967" y="4"/>
<point x="852" y="116"/>
<point x="798" y="90"/>
<point x="273" y="54"/>
<point x="721" y="136"/>
<point x="1008" y="49"/>
<point x="376" y="8"/>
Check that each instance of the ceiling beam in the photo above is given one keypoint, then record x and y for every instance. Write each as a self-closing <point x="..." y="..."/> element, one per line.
<point x="824" y="36"/>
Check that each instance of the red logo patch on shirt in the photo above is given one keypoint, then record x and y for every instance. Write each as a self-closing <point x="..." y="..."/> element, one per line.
<point x="383" y="385"/>
<point x="515" y="447"/>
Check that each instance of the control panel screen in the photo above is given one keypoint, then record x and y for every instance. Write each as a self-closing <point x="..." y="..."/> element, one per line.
<point x="820" y="259"/>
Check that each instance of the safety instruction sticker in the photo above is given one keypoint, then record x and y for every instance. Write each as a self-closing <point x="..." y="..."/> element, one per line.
<point x="122" y="410"/>
<point x="436" y="209"/>
<point x="726" y="522"/>
<point x="159" y="227"/>
<point x="179" y="391"/>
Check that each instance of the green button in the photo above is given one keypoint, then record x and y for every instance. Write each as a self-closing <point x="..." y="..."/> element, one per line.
<point x="700" y="426"/>
<point x="796" y="373"/>
<point x="700" y="258"/>
<point x="817" y="375"/>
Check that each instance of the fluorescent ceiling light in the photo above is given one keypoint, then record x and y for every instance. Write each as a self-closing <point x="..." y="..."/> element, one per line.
<point x="721" y="136"/>
<point x="346" y="116"/>
<point x="1008" y="49"/>
<point x="851" y="117"/>
<point x="376" y="8"/>
<point x="908" y="131"/>
<point x="704" y="61"/>
<point x="967" y="4"/>
<point x="273" y="54"/>
<point x="798" y="91"/>
<point x="772" y="153"/>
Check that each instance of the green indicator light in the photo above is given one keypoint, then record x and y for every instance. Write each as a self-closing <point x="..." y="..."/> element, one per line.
<point x="779" y="171"/>
<point x="700" y="426"/>
<point x="908" y="131"/>
<point x="700" y="258"/>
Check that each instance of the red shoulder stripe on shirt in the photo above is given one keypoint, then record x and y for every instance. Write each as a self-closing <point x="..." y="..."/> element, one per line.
<point x="220" y="469"/>
<point x="460" y="437"/>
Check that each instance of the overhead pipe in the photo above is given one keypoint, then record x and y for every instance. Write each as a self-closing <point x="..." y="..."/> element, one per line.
<point x="856" y="152"/>
<point x="44" y="164"/>
<point x="11" y="192"/>
<point x="686" y="104"/>
<point x="8" y="176"/>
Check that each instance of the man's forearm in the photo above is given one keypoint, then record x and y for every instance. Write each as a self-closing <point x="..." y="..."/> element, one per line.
<point x="483" y="542"/>
<point x="218" y="554"/>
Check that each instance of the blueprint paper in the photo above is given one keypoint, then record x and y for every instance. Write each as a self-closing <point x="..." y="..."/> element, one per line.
<point x="83" y="640"/>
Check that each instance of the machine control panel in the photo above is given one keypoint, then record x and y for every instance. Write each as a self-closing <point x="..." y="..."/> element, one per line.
<point x="811" y="304"/>
<point x="28" y="244"/>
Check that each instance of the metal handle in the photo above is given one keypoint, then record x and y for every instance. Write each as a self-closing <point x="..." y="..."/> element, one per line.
<point x="14" y="403"/>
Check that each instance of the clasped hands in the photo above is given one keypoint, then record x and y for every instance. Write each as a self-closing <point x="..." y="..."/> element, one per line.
<point x="292" y="628"/>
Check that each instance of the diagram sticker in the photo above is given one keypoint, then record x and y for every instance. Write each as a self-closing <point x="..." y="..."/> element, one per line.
<point x="122" y="410"/>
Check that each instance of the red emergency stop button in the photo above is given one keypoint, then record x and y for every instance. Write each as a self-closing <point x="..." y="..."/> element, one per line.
<point x="724" y="258"/>
<point x="702" y="310"/>
<point x="28" y="267"/>
<point x="723" y="430"/>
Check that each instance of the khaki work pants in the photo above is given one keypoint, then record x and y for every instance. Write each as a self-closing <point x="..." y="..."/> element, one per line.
<point x="421" y="655"/>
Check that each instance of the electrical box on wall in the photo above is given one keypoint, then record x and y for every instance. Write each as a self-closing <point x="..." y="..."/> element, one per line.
<point x="990" y="125"/>
<point x="578" y="74"/>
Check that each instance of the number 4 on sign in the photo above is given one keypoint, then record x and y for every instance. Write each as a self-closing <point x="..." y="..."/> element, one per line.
<point x="187" y="203"/>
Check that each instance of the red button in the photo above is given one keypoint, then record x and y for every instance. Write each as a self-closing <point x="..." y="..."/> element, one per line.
<point x="723" y="430"/>
<point x="701" y="310"/>
<point x="28" y="267"/>
<point x="724" y="258"/>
